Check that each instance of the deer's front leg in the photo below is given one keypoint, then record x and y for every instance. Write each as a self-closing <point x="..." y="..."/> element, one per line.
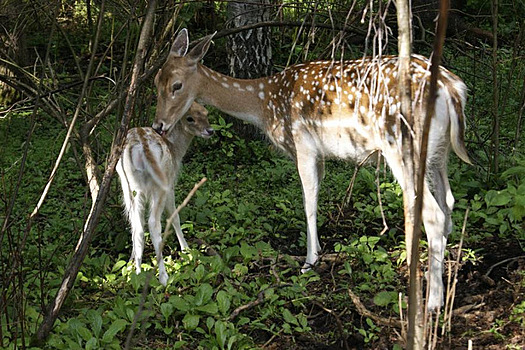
<point x="310" y="172"/>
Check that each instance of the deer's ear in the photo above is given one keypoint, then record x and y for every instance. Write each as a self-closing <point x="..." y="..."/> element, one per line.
<point x="197" y="53"/>
<point x="180" y="45"/>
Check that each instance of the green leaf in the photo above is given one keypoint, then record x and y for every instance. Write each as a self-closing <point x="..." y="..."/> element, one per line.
<point x="91" y="344"/>
<point x="166" y="309"/>
<point x="210" y="321"/>
<point x="118" y="265"/>
<point x="190" y="321"/>
<point x="204" y="294"/>
<point x="210" y="308"/>
<point x="248" y="251"/>
<point x="288" y="317"/>
<point x="116" y="327"/>
<point x="223" y="301"/>
<point x="497" y="198"/>
<point x="384" y="298"/>
<point x="220" y="333"/>
<point x="130" y="313"/>
<point x="199" y="273"/>
<point x="84" y="333"/>
<point x="179" y="303"/>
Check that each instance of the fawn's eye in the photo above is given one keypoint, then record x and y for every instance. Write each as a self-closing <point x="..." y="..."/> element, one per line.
<point x="190" y="119"/>
<point x="176" y="86"/>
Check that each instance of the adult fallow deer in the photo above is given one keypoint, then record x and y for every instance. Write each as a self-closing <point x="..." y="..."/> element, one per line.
<point x="148" y="170"/>
<point x="331" y="109"/>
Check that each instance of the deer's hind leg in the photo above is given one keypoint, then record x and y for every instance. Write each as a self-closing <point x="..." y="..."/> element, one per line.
<point x="157" y="203"/>
<point x="170" y="209"/>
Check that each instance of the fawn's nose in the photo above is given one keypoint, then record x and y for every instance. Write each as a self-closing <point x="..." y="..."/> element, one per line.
<point x="208" y="132"/>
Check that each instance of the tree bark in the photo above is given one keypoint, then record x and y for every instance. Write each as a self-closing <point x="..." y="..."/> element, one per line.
<point x="249" y="52"/>
<point x="408" y="129"/>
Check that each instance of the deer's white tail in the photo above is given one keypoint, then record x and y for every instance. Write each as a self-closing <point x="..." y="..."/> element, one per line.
<point x="456" y="105"/>
<point x="146" y="157"/>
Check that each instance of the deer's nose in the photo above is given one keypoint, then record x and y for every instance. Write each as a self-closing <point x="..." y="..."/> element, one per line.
<point x="158" y="127"/>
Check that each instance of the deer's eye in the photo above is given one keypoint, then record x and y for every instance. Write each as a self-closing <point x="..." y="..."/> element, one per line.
<point x="190" y="119"/>
<point x="176" y="87"/>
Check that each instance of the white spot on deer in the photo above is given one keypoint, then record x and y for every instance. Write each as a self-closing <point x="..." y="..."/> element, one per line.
<point x="261" y="95"/>
<point x="261" y="86"/>
<point x="225" y="85"/>
<point x="249" y="88"/>
<point x="362" y="109"/>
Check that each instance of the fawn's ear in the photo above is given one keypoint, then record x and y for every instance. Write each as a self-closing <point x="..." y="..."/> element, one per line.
<point x="197" y="53"/>
<point x="180" y="45"/>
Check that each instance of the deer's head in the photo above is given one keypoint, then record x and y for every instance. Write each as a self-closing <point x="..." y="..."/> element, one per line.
<point x="177" y="81"/>
<point x="196" y="123"/>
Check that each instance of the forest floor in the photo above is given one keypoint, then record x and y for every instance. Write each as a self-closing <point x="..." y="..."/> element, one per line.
<point x="487" y="296"/>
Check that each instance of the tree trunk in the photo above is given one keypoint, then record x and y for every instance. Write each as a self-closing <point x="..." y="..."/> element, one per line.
<point x="415" y="339"/>
<point x="249" y="52"/>
<point x="13" y="46"/>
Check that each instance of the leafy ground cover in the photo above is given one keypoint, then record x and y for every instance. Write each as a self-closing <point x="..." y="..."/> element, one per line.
<point x="239" y="287"/>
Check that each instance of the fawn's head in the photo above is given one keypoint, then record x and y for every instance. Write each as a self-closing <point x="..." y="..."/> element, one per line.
<point x="195" y="122"/>
<point x="176" y="81"/>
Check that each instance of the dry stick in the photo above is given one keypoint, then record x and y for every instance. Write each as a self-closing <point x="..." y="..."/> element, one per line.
<point x="16" y="267"/>
<point x="430" y="107"/>
<point x="337" y="320"/>
<point x="260" y="299"/>
<point x="486" y="275"/>
<point x="431" y="102"/>
<point x="449" y="304"/>
<point x="182" y="205"/>
<point x="94" y="216"/>
<point x="75" y="116"/>
<point x="403" y="322"/>
<point x="404" y="125"/>
<point x="363" y="311"/>
<point x="350" y="188"/>
<point x="378" y="186"/>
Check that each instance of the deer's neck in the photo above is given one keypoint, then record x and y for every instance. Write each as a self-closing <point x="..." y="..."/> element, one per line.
<point x="178" y="142"/>
<point x="241" y="98"/>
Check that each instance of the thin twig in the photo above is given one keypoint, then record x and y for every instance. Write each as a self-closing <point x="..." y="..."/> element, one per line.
<point x="363" y="311"/>
<point x="378" y="186"/>
<point x="93" y="218"/>
<point x="337" y="320"/>
<point x="486" y="275"/>
<point x="139" y="311"/>
<point x="449" y="304"/>
<point x="179" y="208"/>
<point x="260" y="299"/>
